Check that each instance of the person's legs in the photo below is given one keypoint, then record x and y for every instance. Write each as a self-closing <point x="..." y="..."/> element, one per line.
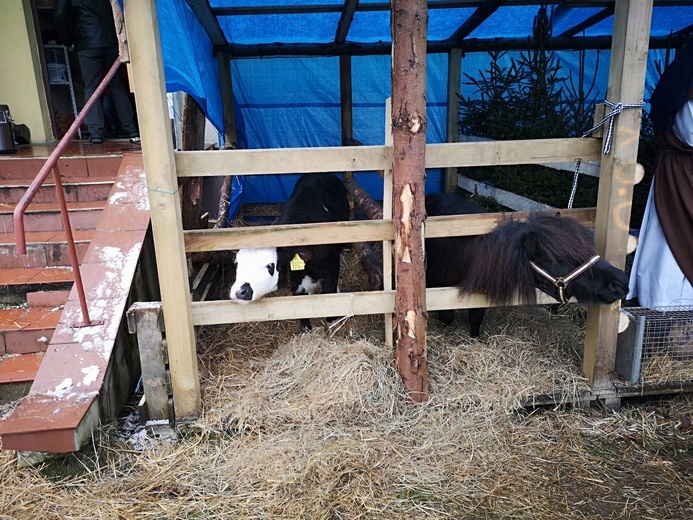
<point x="120" y="96"/>
<point x="90" y="64"/>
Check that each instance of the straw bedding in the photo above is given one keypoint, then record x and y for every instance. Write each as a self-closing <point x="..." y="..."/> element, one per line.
<point x="315" y="425"/>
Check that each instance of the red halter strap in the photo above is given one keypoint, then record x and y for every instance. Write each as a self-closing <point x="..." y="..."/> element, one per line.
<point x="562" y="281"/>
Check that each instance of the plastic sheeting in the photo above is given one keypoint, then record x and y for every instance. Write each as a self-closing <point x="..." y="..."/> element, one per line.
<point x="295" y="102"/>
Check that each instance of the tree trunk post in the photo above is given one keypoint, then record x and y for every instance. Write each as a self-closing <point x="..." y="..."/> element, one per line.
<point x="409" y="20"/>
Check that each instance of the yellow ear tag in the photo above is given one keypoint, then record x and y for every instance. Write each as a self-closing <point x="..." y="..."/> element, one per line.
<point x="297" y="263"/>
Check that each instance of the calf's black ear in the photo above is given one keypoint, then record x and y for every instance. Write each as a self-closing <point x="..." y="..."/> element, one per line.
<point x="270" y="269"/>
<point x="305" y="254"/>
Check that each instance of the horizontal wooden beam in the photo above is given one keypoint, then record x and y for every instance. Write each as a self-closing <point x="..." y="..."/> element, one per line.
<point x="362" y="7"/>
<point x="223" y="239"/>
<point x="503" y="197"/>
<point x="237" y="50"/>
<point x="525" y="151"/>
<point x="270" y="161"/>
<point x="217" y="312"/>
<point x="481" y="223"/>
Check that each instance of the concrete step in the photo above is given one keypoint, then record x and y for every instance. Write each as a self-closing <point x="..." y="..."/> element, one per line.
<point x="78" y="189"/>
<point x="46" y="216"/>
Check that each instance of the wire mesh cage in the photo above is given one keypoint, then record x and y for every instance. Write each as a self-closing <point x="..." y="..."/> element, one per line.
<point x="657" y="346"/>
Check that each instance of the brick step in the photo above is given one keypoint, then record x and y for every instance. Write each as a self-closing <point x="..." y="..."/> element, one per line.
<point x="47" y="298"/>
<point x="12" y="167"/>
<point x="77" y="189"/>
<point x="16" y="283"/>
<point x="17" y="372"/>
<point x="48" y="248"/>
<point x="25" y="330"/>
<point x="46" y="216"/>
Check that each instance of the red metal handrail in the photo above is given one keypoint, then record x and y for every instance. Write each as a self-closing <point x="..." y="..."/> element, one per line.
<point x="52" y="164"/>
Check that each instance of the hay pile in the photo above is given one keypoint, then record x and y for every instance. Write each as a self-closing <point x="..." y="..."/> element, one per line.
<point x="315" y="425"/>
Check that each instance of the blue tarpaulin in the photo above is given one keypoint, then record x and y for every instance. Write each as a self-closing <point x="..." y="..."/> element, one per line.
<point x="295" y="102"/>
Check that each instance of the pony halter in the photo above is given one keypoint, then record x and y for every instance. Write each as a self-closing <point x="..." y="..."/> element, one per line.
<point x="562" y="281"/>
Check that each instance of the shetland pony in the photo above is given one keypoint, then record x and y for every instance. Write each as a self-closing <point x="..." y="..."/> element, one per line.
<point x="552" y="253"/>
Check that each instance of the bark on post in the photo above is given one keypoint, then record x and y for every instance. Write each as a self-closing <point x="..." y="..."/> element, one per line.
<point x="409" y="20"/>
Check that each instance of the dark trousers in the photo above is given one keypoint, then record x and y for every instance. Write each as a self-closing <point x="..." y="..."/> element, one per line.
<point x="94" y="64"/>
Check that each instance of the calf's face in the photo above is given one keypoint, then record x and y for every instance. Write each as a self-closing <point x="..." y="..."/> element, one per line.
<point x="256" y="274"/>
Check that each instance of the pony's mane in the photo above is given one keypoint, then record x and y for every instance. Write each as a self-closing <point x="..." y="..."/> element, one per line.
<point x="499" y="265"/>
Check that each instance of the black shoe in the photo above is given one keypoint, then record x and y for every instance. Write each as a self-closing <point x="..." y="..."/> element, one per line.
<point x="96" y="140"/>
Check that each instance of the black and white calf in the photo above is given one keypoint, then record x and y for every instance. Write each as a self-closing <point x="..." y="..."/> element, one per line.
<point x="317" y="197"/>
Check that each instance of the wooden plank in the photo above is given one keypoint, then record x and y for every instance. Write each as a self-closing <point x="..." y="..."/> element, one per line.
<point x="369" y="158"/>
<point x="525" y="151"/>
<point x="338" y="304"/>
<point x="618" y="170"/>
<point x="146" y="320"/>
<point x="388" y="273"/>
<point x="355" y="231"/>
<point x="453" y="111"/>
<point x="287" y="235"/>
<point x="293" y="307"/>
<point x="590" y="168"/>
<point x="227" y="105"/>
<point x="152" y="110"/>
<point x="481" y="223"/>
<point x="503" y="197"/>
<point x="282" y="160"/>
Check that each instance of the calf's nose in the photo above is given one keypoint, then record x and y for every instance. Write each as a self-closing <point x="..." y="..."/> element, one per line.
<point x="245" y="292"/>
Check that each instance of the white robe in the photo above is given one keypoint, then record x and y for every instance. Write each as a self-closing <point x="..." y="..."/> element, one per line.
<point x="655" y="278"/>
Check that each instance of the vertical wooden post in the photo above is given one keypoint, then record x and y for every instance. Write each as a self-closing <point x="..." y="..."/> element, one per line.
<point x="162" y="181"/>
<point x="453" y="112"/>
<point x="192" y="138"/>
<point x="145" y="320"/>
<point x="227" y="107"/>
<point x="409" y="26"/>
<point x="346" y="105"/>
<point x="617" y="174"/>
<point x="387" y="215"/>
<point x="346" y="111"/>
<point x="230" y="133"/>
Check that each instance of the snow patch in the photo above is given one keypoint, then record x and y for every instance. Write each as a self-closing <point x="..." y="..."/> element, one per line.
<point x="62" y="389"/>
<point x="90" y="374"/>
